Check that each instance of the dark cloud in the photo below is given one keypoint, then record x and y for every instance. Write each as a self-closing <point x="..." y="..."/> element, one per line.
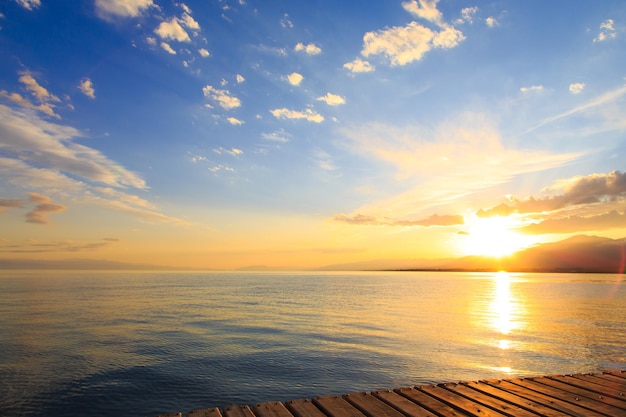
<point x="573" y="224"/>
<point x="593" y="188"/>
<point x="433" y="220"/>
<point x="10" y="203"/>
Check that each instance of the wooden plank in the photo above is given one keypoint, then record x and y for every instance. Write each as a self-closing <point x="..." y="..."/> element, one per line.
<point x="555" y="403"/>
<point x="303" y="408"/>
<point x="515" y="399"/>
<point x="497" y="404"/>
<point x="335" y="406"/>
<point x="568" y="396"/>
<point x="602" y="382"/>
<point x="371" y="406"/>
<point x="429" y="402"/>
<point x="611" y="377"/>
<point x="459" y="401"/>
<point x="238" y="411"/>
<point x="271" y="409"/>
<point x="403" y="404"/>
<point x="171" y="415"/>
<point x="589" y="384"/>
<point x="205" y="412"/>
<point x="617" y="372"/>
<point x="582" y="392"/>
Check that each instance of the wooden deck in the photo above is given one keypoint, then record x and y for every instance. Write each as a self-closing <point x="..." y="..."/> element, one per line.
<point x="589" y="395"/>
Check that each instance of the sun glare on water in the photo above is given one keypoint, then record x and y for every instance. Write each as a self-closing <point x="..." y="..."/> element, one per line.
<point x="493" y="236"/>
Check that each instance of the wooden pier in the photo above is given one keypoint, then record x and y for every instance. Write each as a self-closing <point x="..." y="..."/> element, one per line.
<point x="589" y="395"/>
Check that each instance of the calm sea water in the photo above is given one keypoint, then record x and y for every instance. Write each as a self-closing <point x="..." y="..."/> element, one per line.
<point x="140" y="343"/>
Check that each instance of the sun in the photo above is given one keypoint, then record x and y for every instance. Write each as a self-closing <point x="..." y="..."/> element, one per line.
<point x="493" y="236"/>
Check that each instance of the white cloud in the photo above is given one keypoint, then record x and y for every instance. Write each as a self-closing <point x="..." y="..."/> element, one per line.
<point x="286" y="22"/>
<point x="309" y="49"/>
<point x="294" y="78"/>
<point x="332" y="99"/>
<point x="425" y="9"/>
<point x="44" y="100"/>
<point x="189" y="22"/>
<point x="233" y="151"/>
<point x="203" y="52"/>
<point x="172" y="30"/>
<point x="151" y="40"/>
<point x="234" y="121"/>
<point x="166" y="46"/>
<point x="467" y="15"/>
<point x="29" y="4"/>
<point x="86" y="87"/>
<point x="531" y="88"/>
<point x="607" y="31"/>
<point x="123" y="8"/>
<point x="576" y="88"/>
<point x="491" y="21"/>
<point x="308" y="114"/>
<point x="402" y="45"/>
<point x="277" y="136"/>
<point x="221" y="97"/>
<point x="359" y="65"/>
<point x="240" y="78"/>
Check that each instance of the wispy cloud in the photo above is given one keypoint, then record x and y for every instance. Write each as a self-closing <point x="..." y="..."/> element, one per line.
<point x="204" y="53"/>
<point x="44" y="101"/>
<point x="576" y="88"/>
<point x="432" y="220"/>
<point x="43" y="209"/>
<point x="167" y="48"/>
<point x="57" y="246"/>
<point x="307" y="114"/>
<point x="359" y="65"/>
<point x="172" y="30"/>
<point x="277" y="136"/>
<point x="309" y="49"/>
<point x="531" y="88"/>
<point x="234" y="121"/>
<point x="607" y="31"/>
<point x="29" y="4"/>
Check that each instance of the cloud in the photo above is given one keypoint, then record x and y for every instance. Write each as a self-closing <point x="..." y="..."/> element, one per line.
<point x="309" y="49"/>
<point x="277" y="136"/>
<point x="294" y="78"/>
<point x="579" y="190"/>
<point x="531" y="88"/>
<point x="491" y="22"/>
<point x="189" y="22"/>
<point x="467" y="15"/>
<point x="172" y="30"/>
<point x="403" y="45"/>
<point x="578" y="224"/>
<point x="86" y="87"/>
<point x="285" y="22"/>
<point x="308" y="114"/>
<point x="359" y="65"/>
<point x="44" y="207"/>
<point x="233" y="151"/>
<point x="123" y="8"/>
<point x="218" y="168"/>
<point x="57" y="246"/>
<point x="166" y="46"/>
<point x="446" y="163"/>
<point x="234" y="121"/>
<point x="203" y="52"/>
<point x="42" y="144"/>
<point x="424" y="9"/>
<point x="10" y="203"/>
<point x="221" y="97"/>
<point x="433" y="220"/>
<point x="44" y="100"/>
<point x="332" y="99"/>
<point x="576" y="88"/>
<point x="607" y="31"/>
<point x="29" y="4"/>
<point x="240" y="78"/>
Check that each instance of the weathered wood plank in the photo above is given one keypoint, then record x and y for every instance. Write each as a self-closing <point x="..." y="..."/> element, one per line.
<point x="205" y="412"/>
<point x="515" y="399"/>
<point x="589" y="404"/>
<point x="403" y="404"/>
<point x="425" y="400"/>
<point x="552" y="402"/>
<point x="455" y="400"/>
<point x="617" y="372"/>
<point x="238" y="411"/>
<point x="303" y="408"/>
<point x="271" y="409"/>
<point x="602" y="382"/>
<point x="371" y="406"/>
<point x="611" y="377"/>
<point x="582" y="392"/>
<point x="335" y="406"/>
<point x="497" y="404"/>
<point x="590" y="385"/>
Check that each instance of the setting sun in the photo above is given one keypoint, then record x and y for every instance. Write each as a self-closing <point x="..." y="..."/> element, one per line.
<point x="493" y="236"/>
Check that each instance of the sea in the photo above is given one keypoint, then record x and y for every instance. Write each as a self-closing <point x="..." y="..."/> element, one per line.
<point x="141" y="343"/>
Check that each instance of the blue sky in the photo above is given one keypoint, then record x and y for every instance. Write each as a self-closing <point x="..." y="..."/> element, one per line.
<point x="221" y="134"/>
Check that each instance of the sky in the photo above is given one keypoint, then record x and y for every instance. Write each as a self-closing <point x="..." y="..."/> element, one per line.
<point x="224" y="134"/>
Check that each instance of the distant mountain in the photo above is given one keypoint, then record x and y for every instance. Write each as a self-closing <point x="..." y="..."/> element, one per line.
<point x="576" y="254"/>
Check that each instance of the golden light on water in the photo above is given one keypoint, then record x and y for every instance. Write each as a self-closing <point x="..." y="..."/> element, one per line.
<point x="502" y="304"/>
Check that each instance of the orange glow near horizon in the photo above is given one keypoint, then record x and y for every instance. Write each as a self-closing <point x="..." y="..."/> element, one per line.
<point x="493" y="236"/>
